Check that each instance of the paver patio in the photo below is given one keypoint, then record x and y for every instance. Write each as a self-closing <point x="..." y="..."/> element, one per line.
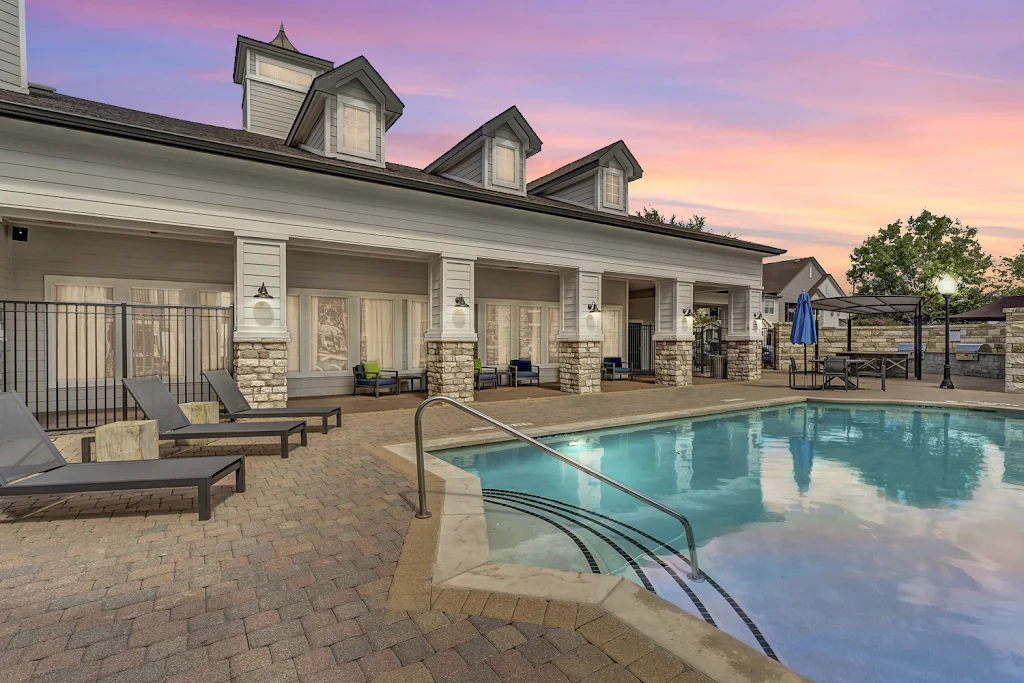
<point x="289" y="581"/>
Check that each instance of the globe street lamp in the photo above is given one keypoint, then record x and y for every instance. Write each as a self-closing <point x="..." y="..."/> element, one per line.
<point x="947" y="287"/>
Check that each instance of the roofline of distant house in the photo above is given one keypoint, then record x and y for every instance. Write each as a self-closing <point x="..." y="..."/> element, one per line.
<point x="120" y="130"/>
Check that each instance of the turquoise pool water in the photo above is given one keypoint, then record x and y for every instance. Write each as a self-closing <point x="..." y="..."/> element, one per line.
<point x="866" y="543"/>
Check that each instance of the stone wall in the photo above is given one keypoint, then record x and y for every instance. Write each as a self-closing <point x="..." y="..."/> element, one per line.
<point x="1015" y="350"/>
<point x="743" y="359"/>
<point x="673" y="362"/>
<point x="579" y="366"/>
<point x="450" y="369"/>
<point x="261" y="371"/>
<point x="988" y="365"/>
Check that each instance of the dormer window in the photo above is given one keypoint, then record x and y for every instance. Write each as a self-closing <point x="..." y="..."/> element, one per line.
<point x="284" y="75"/>
<point x="505" y="163"/>
<point x="357" y="121"/>
<point x="613" y="187"/>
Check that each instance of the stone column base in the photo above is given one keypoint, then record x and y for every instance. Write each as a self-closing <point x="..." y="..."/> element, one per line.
<point x="261" y="371"/>
<point x="743" y="358"/>
<point x="1014" y="350"/>
<point x="579" y="366"/>
<point x="450" y="369"/>
<point x="673" y="362"/>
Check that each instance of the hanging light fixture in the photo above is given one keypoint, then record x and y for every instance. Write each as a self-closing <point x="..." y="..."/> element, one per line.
<point x="262" y="292"/>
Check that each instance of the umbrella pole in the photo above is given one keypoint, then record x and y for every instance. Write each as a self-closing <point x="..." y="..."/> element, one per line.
<point x="805" y="365"/>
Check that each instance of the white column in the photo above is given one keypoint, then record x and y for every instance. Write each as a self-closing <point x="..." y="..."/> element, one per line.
<point x="581" y="302"/>
<point x="452" y="298"/>
<point x="260" y="262"/>
<point x="744" y="303"/>
<point x="673" y="298"/>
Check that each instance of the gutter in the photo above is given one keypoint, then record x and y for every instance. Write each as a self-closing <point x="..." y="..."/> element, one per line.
<point x="84" y="123"/>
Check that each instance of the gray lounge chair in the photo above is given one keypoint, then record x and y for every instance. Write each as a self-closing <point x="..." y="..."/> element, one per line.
<point x="237" y="407"/>
<point x="30" y="465"/>
<point x="156" y="402"/>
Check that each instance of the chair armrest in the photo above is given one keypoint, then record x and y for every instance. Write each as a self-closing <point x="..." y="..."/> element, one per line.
<point x="534" y="368"/>
<point x="393" y="372"/>
<point x="488" y="367"/>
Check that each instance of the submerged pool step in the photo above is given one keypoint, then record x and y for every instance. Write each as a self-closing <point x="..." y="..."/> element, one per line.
<point x="666" y="574"/>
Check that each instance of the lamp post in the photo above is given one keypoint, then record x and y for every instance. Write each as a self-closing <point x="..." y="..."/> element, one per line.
<point x="947" y="287"/>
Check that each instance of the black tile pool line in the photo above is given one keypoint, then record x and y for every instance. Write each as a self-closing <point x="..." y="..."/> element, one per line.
<point x="594" y="568"/>
<point x="489" y="495"/>
<point x="754" y="630"/>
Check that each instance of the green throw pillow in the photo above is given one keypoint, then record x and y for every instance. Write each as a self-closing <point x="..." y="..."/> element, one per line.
<point x="372" y="368"/>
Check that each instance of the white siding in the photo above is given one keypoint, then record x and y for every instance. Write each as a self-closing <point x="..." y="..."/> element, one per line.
<point x="110" y="179"/>
<point x="570" y="302"/>
<point x="582" y="192"/>
<point x="260" y="262"/>
<point x="316" y="135"/>
<point x="497" y="283"/>
<point x="11" y="45"/>
<point x="272" y="109"/>
<point x="470" y="169"/>
<point x="5" y="260"/>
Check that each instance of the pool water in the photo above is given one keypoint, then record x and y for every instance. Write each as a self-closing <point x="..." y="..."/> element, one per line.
<point x="875" y="543"/>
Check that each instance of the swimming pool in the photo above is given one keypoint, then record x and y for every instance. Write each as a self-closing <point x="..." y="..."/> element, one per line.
<point x="861" y="543"/>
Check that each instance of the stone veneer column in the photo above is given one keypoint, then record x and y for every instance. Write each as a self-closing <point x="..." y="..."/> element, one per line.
<point x="450" y="369"/>
<point x="673" y="362"/>
<point x="1014" y="350"/>
<point x="261" y="371"/>
<point x="579" y="366"/>
<point x="743" y="358"/>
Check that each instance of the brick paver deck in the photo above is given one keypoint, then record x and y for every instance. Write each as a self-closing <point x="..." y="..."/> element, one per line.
<point x="288" y="581"/>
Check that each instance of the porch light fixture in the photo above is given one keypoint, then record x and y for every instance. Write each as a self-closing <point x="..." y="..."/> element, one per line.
<point x="460" y="301"/>
<point x="262" y="292"/>
<point x="593" y="307"/>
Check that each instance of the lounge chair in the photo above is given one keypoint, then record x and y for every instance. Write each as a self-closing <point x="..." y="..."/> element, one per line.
<point x="837" y="367"/>
<point x="156" y="402"/>
<point x="524" y="371"/>
<point x="30" y="465"/>
<point x="483" y="374"/>
<point x="615" y="369"/>
<point x="237" y="407"/>
<point x="368" y="375"/>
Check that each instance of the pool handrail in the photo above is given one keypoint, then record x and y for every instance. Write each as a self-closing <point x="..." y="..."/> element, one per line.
<point x="421" y="474"/>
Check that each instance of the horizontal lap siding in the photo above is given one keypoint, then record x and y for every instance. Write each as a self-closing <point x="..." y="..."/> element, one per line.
<point x="10" y="45"/>
<point x="582" y="192"/>
<point x="272" y="110"/>
<point x="59" y="171"/>
<point x="470" y="169"/>
<point x="316" y="136"/>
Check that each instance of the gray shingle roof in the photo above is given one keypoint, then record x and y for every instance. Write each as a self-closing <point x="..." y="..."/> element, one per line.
<point x="775" y="276"/>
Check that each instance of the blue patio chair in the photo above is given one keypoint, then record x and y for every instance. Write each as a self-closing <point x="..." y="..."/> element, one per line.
<point x="483" y="375"/>
<point x="368" y="375"/>
<point x="615" y="369"/>
<point x="524" y="371"/>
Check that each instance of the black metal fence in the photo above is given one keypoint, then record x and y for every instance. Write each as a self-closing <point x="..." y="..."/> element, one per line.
<point x="707" y="342"/>
<point x="67" y="359"/>
<point x="641" y="348"/>
<point x="770" y="349"/>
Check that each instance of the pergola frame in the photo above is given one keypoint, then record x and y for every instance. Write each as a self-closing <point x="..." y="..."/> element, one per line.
<point x="878" y="305"/>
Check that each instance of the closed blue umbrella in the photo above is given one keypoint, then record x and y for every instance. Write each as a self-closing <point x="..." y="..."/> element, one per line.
<point x="803" y="331"/>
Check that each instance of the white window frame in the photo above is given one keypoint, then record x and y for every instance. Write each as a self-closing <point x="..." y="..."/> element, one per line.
<point x="623" y="327"/>
<point x="544" y="361"/>
<point x="410" y="336"/>
<point x="765" y="306"/>
<point x="622" y="188"/>
<point x="515" y="147"/>
<point x="283" y="65"/>
<point x="339" y="125"/>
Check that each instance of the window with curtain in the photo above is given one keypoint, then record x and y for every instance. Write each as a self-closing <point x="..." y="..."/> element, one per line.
<point x="158" y="334"/>
<point x="418" y="312"/>
<point x="377" y="331"/>
<point x="215" y="333"/>
<point x="504" y="163"/>
<point x="293" y="334"/>
<point x="612" y="188"/>
<point x="530" y="337"/>
<point x="554" y="323"/>
<point x="611" y="331"/>
<point x="84" y="349"/>
<point x="357" y="126"/>
<point x="284" y="74"/>
<point x="497" y="335"/>
<point x="329" y="333"/>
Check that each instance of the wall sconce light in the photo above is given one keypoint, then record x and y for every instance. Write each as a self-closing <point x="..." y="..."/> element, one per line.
<point x="460" y="301"/>
<point x="262" y="292"/>
<point x="593" y="307"/>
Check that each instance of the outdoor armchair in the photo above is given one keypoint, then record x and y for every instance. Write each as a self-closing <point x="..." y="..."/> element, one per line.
<point x="524" y="371"/>
<point x="156" y="403"/>
<point x="30" y="465"/>
<point x="836" y="367"/>
<point x="483" y="374"/>
<point x="614" y="368"/>
<point x="238" y="408"/>
<point x="368" y="375"/>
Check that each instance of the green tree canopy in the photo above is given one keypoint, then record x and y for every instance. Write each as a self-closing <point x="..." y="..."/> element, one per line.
<point x="652" y="214"/>
<point x="1009" y="275"/>
<point x="906" y="258"/>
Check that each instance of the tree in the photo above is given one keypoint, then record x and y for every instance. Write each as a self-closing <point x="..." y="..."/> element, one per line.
<point x="652" y="214"/>
<point x="1009" y="275"/>
<point x="907" y="259"/>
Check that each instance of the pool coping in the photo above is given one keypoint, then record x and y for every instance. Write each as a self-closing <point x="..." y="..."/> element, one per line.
<point x="446" y="558"/>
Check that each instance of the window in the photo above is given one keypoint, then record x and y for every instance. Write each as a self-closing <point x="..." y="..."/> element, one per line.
<point x="158" y="335"/>
<point x="530" y="332"/>
<point x="554" y="323"/>
<point x="284" y="74"/>
<point x="293" y="333"/>
<point x="769" y="306"/>
<point x="357" y="129"/>
<point x="497" y="335"/>
<point x="505" y="163"/>
<point x="611" y="331"/>
<point x="377" y="331"/>
<point x="329" y="333"/>
<point x="418" y="318"/>
<point x="612" y="187"/>
<point x="84" y="334"/>
<point x="790" y="311"/>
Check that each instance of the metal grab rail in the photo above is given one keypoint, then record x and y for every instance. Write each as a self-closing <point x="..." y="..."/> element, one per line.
<point x="421" y="473"/>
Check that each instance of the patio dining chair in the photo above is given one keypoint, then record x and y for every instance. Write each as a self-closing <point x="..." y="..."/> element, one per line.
<point x="483" y="375"/>
<point x="836" y="367"/>
<point x="369" y="376"/>
<point x="794" y="372"/>
<point x="524" y="371"/>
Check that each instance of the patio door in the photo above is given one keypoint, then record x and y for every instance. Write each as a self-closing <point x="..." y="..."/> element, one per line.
<point x="497" y="335"/>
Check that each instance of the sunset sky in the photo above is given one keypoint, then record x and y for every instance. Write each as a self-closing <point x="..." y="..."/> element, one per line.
<point x="802" y="124"/>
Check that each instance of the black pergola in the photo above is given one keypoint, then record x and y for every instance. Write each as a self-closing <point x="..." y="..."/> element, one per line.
<point x="877" y="305"/>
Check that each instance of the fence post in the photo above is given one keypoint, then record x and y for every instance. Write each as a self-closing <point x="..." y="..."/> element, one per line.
<point x="231" y="340"/>
<point x="124" y="360"/>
